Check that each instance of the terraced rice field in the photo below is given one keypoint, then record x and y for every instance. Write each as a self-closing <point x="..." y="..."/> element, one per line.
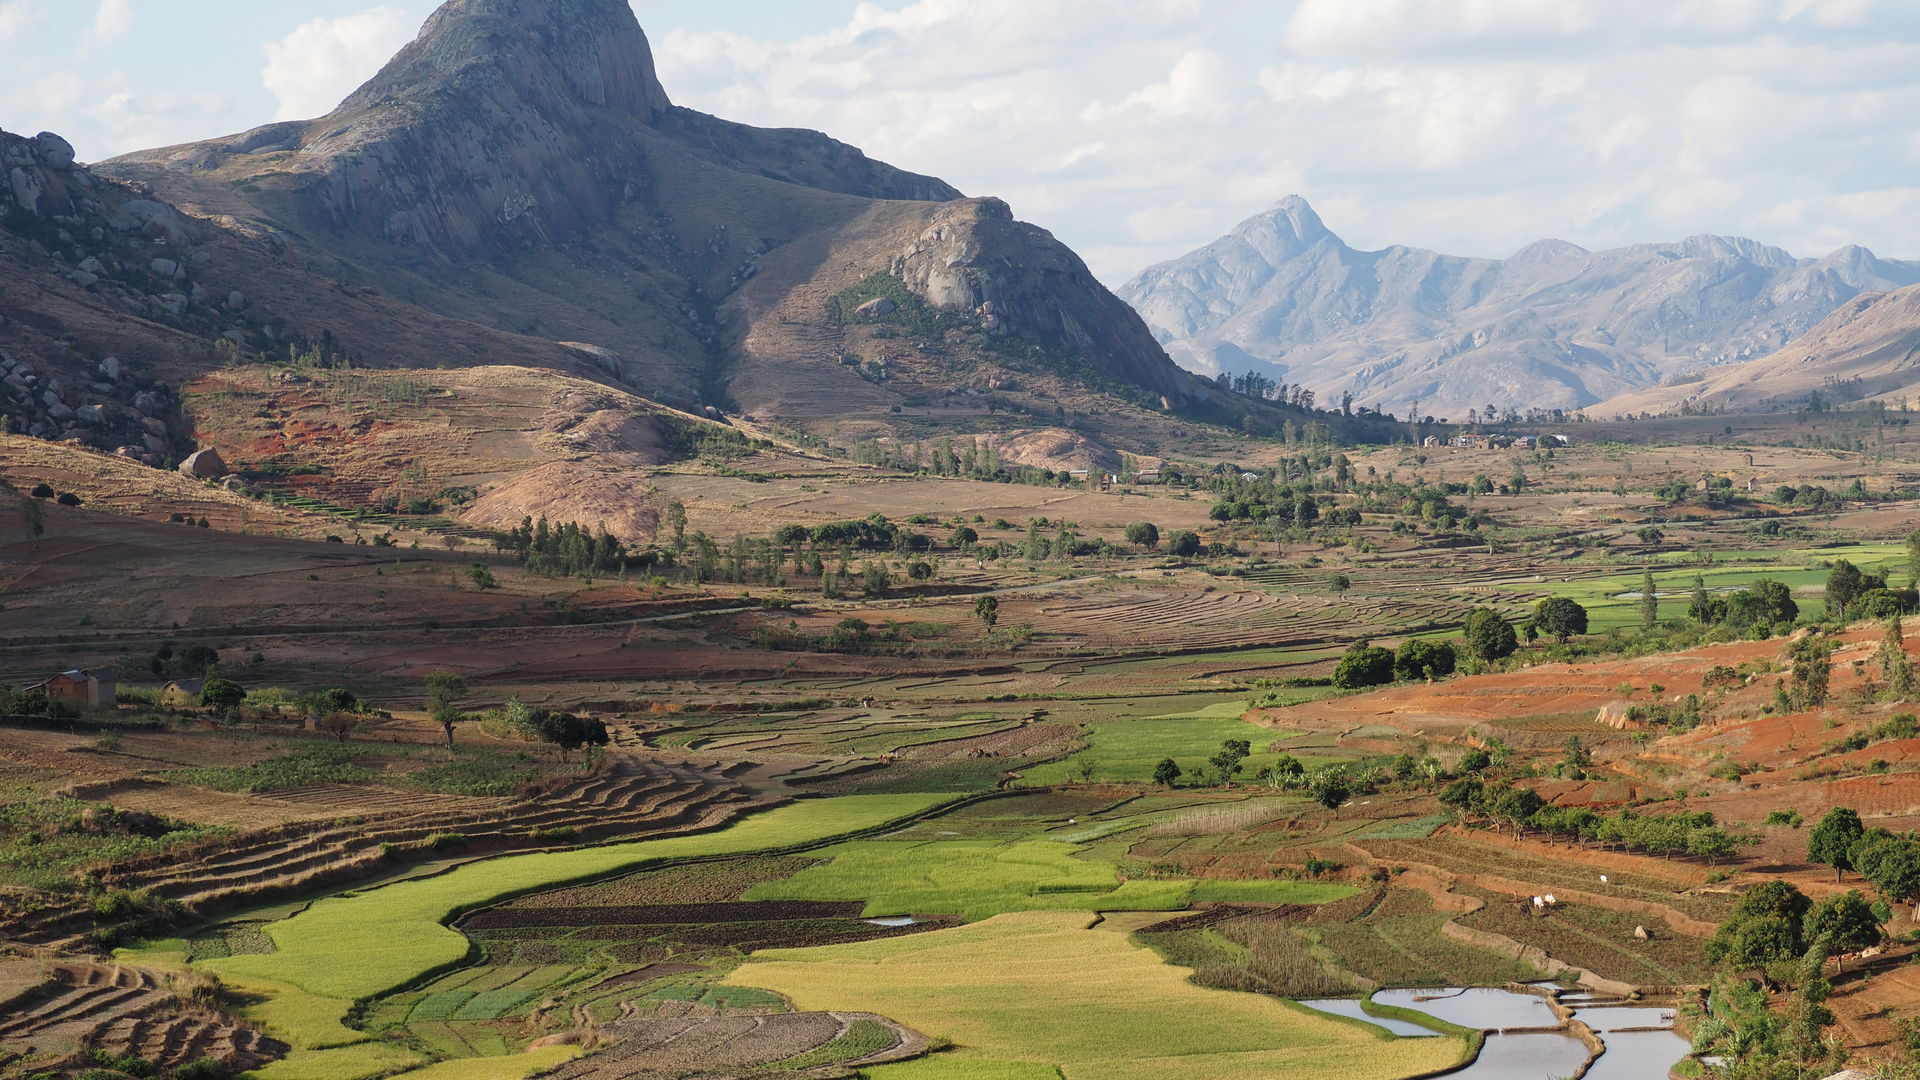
<point x="359" y="946"/>
<point x="631" y="795"/>
<point x="844" y="733"/>
<point x="1030" y="991"/>
<point x="1232" y="617"/>
<point x="1127" y="750"/>
<point x="126" y="1011"/>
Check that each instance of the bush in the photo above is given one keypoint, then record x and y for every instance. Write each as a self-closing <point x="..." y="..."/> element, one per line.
<point x="1364" y="665"/>
<point x="1183" y="544"/>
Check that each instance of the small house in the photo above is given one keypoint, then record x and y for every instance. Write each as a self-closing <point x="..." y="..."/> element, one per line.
<point x="181" y="693"/>
<point x="81" y="686"/>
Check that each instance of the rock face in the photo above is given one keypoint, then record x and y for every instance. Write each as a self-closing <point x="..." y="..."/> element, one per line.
<point x="520" y="166"/>
<point x="1554" y="326"/>
<point x="1868" y="348"/>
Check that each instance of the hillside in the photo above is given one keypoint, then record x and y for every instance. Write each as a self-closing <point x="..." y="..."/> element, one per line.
<point x="1553" y="327"/>
<point x="703" y="263"/>
<point x="1869" y="348"/>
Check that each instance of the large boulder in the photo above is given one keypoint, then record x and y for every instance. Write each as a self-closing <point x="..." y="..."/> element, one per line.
<point x="204" y="465"/>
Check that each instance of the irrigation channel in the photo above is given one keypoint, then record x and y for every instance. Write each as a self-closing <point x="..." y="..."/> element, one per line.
<point x="1527" y="1039"/>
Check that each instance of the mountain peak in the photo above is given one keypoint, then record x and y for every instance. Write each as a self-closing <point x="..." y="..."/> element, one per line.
<point x="1295" y="215"/>
<point x="592" y="51"/>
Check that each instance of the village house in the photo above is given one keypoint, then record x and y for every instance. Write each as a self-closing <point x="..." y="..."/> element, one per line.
<point x="81" y="686"/>
<point x="181" y="692"/>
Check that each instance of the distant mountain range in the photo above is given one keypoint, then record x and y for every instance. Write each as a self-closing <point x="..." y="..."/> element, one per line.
<point x="1553" y="327"/>
<point x="1869" y="348"/>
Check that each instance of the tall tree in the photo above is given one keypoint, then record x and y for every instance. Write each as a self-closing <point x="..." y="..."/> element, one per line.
<point x="444" y="691"/>
<point x="1831" y="841"/>
<point x="1649" y="602"/>
<point x="1895" y="666"/>
<point x="1842" y="924"/>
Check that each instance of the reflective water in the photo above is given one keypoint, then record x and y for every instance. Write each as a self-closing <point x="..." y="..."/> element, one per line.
<point x="893" y="920"/>
<point x="1621" y="1017"/>
<point x="1529" y="1057"/>
<point x="1349" y="1007"/>
<point x="1638" y="1055"/>
<point x="1482" y="1008"/>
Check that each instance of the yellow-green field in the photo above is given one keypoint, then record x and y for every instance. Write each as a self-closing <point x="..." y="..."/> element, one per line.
<point x="360" y="945"/>
<point x="1023" y="993"/>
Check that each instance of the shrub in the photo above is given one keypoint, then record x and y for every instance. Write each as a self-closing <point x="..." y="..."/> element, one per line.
<point x="1364" y="665"/>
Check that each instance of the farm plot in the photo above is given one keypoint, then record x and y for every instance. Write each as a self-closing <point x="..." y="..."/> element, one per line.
<point x="1127" y="750"/>
<point x="1001" y="988"/>
<point x="362" y="945"/>
<point x="1211" y="618"/>
<point x="1597" y="939"/>
<point x="840" y="734"/>
<point x="1655" y="882"/>
<point x="1392" y="937"/>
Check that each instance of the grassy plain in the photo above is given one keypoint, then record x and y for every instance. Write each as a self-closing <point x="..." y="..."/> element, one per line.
<point x="1043" y="989"/>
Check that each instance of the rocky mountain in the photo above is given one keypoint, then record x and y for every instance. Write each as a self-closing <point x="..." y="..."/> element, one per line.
<point x="1553" y="327"/>
<point x="519" y="168"/>
<point x="1869" y="348"/>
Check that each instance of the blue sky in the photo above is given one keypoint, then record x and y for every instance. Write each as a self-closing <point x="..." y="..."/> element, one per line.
<point x="1138" y="131"/>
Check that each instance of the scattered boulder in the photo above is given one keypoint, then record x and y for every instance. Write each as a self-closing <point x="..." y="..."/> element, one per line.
<point x="204" y="465"/>
<point x="1640" y="934"/>
<point x="166" y="268"/>
<point x="110" y="367"/>
<point x="874" y="309"/>
<point x="83" y="279"/>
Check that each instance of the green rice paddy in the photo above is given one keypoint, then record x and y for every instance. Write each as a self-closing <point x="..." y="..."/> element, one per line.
<point x="1126" y="750"/>
<point x="365" y="944"/>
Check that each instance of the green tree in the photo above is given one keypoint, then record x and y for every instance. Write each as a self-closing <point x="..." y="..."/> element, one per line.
<point x="1712" y="844"/>
<point x="676" y="521"/>
<point x="1419" y="659"/>
<point x="1812" y="671"/>
<point x="1913" y="557"/>
<point x="1340" y="583"/>
<point x="1489" y="637"/>
<point x="1649" y="602"/>
<point x="987" y="610"/>
<point x="1167" y="773"/>
<point x="1843" y="924"/>
<point x="444" y="691"/>
<point x="963" y="537"/>
<point x="1364" y="664"/>
<point x="1561" y="617"/>
<point x="1144" y="534"/>
<point x="1895" y="666"/>
<point x="1330" y="789"/>
<point x="1774" y="601"/>
<point x="1845" y="583"/>
<point x="1229" y="761"/>
<point x="1183" y="544"/>
<point x="1699" y="604"/>
<point x="1766" y="926"/>
<point x="1831" y="841"/>
<point x="222" y="695"/>
<point x="1895" y="872"/>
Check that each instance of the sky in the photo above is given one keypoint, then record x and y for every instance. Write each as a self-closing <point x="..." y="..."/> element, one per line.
<point x="1138" y="131"/>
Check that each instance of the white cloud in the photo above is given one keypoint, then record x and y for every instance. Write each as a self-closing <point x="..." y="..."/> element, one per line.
<point x="113" y="21"/>
<point x="1136" y="132"/>
<point x="322" y="61"/>
<point x="17" y="17"/>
